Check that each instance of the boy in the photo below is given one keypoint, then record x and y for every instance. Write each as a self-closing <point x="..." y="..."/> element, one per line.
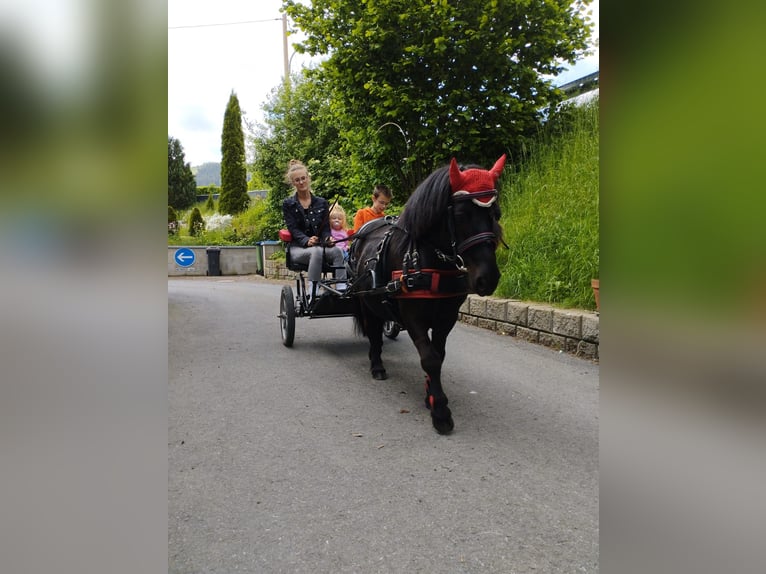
<point x="381" y="198"/>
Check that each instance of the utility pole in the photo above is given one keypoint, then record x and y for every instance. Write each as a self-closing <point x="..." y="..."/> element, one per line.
<point x="284" y="48"/>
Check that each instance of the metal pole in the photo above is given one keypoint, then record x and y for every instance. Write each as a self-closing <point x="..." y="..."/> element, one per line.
<point x="284" y="48"/>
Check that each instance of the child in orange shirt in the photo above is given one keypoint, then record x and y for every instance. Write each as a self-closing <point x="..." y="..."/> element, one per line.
<point x="381" y="198"/>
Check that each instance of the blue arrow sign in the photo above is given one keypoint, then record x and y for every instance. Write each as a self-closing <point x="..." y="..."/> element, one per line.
<point x="184" y="257"/>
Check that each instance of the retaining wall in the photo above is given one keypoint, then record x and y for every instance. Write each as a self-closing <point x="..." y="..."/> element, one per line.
<point x="570" y="330"/>
<point x="233" y="260"/>
<point x="277" y="270"/>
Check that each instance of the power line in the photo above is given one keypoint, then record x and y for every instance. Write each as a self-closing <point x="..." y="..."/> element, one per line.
<point x="223" y="24"/>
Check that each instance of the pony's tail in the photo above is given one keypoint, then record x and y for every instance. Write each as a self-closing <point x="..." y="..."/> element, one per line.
<point x="360" y="320"/>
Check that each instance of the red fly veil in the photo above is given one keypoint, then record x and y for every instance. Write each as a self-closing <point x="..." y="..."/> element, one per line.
<point x="478" y="183"/>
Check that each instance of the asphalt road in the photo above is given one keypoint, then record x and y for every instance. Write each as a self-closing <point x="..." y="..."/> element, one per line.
<point x="295" y="460"/>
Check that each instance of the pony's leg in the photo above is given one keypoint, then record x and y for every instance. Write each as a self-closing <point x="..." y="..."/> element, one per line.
<point x="431" y="359"/>
<point x="441" y="418"/>
<point x="441" y="330"/>
<point x="375" y="336"/>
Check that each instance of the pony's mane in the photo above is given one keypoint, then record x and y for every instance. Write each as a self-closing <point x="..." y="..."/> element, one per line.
<point x="427" y="206"/>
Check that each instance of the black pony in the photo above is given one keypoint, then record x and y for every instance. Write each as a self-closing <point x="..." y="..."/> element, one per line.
<point x="418" y="269"/>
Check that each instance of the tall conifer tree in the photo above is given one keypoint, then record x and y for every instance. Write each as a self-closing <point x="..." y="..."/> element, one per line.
<point x="234" y="198"/>
<point x="182" y="187"/>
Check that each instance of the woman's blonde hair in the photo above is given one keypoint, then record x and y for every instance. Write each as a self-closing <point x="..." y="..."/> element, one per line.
<point x="294" y="165"/>
<point x="340" y="211"/>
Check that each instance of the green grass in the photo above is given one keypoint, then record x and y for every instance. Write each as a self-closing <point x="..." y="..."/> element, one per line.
<point x="551" y="216"/>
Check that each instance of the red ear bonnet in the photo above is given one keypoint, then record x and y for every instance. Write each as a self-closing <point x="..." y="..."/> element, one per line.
<point x="476" y="181"/>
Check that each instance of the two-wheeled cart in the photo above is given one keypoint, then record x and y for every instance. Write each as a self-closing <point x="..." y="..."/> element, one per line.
<point x="333" y="298"/>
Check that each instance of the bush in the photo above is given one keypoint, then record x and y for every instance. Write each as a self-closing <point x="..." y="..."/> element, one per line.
<point x="210" y="204"/>
<point x="196" y="223"/>
<point x="251" y="225"/>
<point x="172" y="221"/>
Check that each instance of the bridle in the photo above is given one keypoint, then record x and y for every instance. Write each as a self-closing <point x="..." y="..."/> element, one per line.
<point x="473" y="240"/>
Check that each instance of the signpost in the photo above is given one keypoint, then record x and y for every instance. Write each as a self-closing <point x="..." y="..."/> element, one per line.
<point x="184" y="257"/>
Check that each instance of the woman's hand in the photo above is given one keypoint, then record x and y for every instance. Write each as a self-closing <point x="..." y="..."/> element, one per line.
<point x="313" y="240"/>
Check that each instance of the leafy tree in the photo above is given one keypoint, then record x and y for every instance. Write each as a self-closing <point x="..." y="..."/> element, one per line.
<point x="256" y="181"/>
<point x="415" y="82"/>
<point x="234" y="198"/>
<point x="298" y="125"/>
<point x="196" y="222"/>
<point x="182" y="188"/>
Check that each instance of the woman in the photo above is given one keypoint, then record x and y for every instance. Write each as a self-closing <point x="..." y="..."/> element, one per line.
<point x="307" y="217"/>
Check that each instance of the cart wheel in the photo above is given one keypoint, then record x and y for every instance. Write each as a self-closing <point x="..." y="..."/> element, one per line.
<point x="391" y="329"/>
<point x="287" y="316"/>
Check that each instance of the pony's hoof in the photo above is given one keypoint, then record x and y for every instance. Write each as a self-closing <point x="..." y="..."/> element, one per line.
<point x="379" y="374"/>
<point x="443" y="426"/>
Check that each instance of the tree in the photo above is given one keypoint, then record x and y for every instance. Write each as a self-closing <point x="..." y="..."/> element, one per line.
<point x="256" y="181"/>
<point x="210" y="203"/>
<point x="298" y="125"/>
<point x="234" y="198"/>
<point x="420" y="81"/>
<point x="182" y="188"/>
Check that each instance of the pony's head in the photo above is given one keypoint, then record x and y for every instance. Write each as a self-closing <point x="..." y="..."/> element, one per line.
<point x="476" y="215"/>
<point x="475" y="182"/>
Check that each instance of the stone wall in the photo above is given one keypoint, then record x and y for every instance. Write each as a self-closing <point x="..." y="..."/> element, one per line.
<point x="275" y="269"/>
<point x="570" y="330"/>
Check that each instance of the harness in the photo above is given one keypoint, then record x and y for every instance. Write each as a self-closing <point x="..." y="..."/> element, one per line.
<point x="414" y="282"/>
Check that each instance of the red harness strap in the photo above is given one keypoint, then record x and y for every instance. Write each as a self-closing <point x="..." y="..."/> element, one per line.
<point x="443" y="285"/>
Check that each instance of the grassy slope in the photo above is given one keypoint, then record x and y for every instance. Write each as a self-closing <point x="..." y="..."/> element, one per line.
<point x="551" y="218"/>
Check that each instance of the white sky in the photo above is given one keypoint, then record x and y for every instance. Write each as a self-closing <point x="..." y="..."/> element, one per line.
<point x="206" y="63"/>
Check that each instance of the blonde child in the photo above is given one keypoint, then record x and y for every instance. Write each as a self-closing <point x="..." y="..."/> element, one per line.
<point x="338" y="228"/>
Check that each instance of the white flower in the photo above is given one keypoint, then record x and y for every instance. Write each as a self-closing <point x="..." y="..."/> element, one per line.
<point x="217" y="221"/>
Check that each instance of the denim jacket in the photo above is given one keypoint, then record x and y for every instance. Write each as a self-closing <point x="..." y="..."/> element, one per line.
<point x="303" y="223"/>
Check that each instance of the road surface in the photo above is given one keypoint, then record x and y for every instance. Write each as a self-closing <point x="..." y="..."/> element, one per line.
<point x="295" y="460"/>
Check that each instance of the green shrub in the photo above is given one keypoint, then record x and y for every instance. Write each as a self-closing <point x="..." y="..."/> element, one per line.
<point x="250" y="226"/>
<point x="196" y="223"/>
<point x="210" y="204"/>
<point x="172" y="221"/>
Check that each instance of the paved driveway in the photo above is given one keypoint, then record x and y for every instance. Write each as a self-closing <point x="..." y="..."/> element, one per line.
<point x="295" y="460"/>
